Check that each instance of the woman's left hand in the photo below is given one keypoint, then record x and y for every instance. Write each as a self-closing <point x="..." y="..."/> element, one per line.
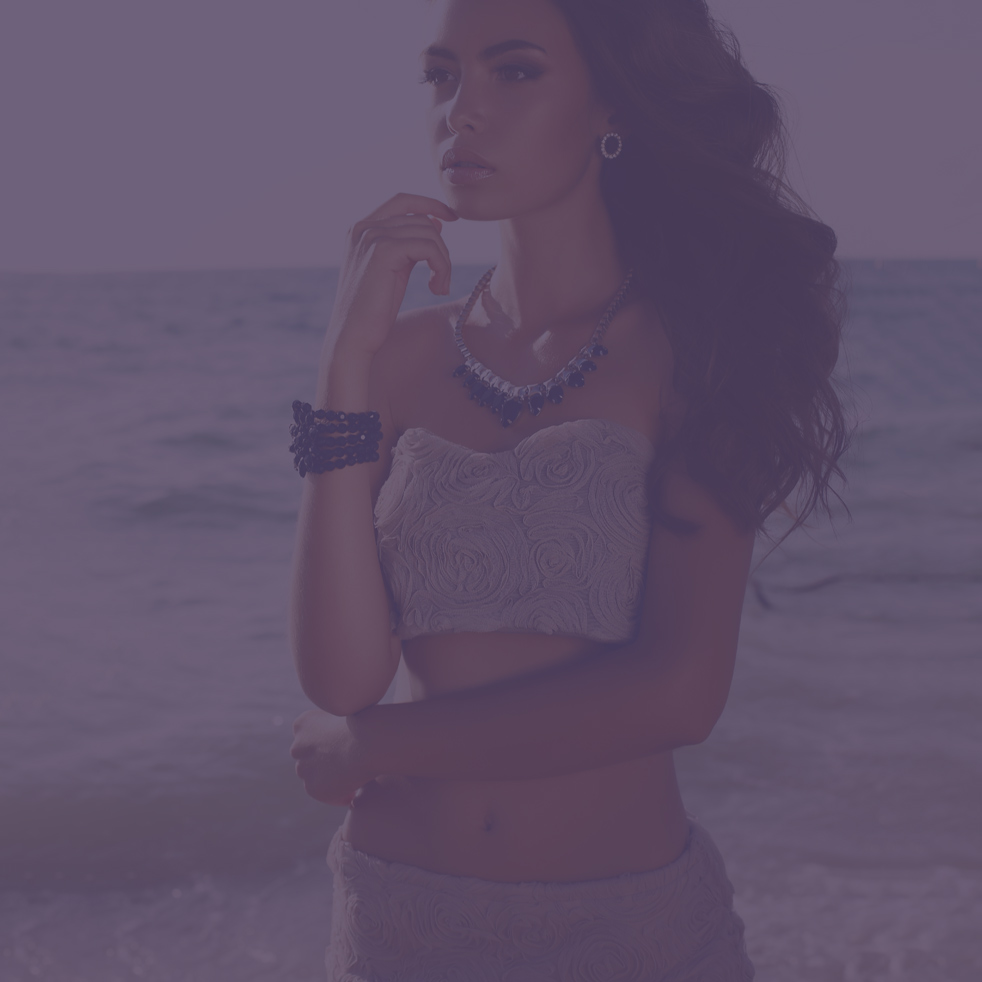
<point x="329" y="761"/>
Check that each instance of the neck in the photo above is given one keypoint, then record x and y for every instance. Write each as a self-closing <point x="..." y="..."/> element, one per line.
<point x="558" y="268"/>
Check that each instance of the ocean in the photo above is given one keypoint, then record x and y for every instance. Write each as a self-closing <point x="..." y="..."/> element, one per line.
<point x="151" y="826"/>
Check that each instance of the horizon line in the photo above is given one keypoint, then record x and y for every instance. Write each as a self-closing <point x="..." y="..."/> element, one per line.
<point x="171" y="270"/>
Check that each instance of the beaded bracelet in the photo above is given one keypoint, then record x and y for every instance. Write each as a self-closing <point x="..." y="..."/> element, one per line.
<point x="341" y="440"/>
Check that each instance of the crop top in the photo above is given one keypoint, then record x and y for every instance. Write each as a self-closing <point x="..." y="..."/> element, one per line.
<point x="550" y="537"/>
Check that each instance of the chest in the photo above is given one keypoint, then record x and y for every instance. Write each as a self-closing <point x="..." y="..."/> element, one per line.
<point x="628" y="386"/>
<point x="549" y="537"/>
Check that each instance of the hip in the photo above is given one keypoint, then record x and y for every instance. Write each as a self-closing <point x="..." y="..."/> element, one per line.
<point x="392" y="921"/>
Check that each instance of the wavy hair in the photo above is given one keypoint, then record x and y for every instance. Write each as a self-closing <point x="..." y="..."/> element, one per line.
<point x="742" y="275"/>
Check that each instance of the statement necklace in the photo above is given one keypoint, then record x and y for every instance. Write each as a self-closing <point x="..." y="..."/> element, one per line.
<point x="500" y="396"/>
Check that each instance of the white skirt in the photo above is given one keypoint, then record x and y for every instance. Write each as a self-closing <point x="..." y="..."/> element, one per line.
<point x="392" y="922"/>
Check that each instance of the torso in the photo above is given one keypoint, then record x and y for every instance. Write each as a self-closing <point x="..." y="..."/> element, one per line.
<point x="582" y="826"/>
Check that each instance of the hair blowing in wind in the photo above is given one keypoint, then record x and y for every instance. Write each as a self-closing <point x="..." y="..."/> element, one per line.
<point x="744" y="278"/>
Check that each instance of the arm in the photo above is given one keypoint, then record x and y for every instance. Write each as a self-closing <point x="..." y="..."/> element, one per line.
<point x="664" y="690"/>
<point x="339" y="625"/>
<point x="339" y="628"/>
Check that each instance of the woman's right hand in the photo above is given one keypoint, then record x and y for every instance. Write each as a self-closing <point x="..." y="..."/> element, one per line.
<point x="382" y="251"/>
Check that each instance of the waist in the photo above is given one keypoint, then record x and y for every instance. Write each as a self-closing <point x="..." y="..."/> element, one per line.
<point x="434" y="664"/>
<point x="627" y="817"/>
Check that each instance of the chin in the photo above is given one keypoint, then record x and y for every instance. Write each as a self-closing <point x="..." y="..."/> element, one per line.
<point x="476" y="211"/>
<point x="477" y="206"/>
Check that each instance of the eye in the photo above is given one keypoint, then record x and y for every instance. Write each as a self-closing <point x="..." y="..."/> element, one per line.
<point x="529" y="73"/>
<point x="429" y="77"/>
<point x="433" y="76"/>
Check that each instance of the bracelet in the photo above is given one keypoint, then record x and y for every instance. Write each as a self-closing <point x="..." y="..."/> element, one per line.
<point x="325" y="440"/>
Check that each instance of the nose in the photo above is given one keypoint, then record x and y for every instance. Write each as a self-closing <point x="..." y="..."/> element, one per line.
<point x="465" y="110"/>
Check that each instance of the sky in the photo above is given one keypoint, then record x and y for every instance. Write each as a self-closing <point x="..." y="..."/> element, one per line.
<point x="190" y="134"/>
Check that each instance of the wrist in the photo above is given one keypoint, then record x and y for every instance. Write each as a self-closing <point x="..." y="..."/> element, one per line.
<point x="344" y="381"/>
<point x="347" y="348"/>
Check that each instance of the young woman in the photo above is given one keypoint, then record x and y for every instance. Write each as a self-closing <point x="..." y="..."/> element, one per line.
<point x="556" y="528"/>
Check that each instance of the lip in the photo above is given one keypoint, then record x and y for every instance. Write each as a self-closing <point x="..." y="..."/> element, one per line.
<point x="467" y="175"/>
<point x="457" y="155"/>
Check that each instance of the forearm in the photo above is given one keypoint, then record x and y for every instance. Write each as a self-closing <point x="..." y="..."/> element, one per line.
<point x="339" y="609"/>
<point x="621" y="705"/>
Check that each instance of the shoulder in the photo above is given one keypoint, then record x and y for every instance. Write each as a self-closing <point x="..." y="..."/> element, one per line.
<point x="416" y="332"/>
<point x="422" y="325"/>
<point x="646" y="371"/>
<point x="653" y="349"/>
<point x="395" y="371"/>
<point x="410" y="351"/>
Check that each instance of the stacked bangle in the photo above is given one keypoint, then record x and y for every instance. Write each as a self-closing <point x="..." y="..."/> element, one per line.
<point x="325" y="440"/>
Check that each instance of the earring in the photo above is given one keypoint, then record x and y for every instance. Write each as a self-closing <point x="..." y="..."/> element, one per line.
<point x="603" y="146"/>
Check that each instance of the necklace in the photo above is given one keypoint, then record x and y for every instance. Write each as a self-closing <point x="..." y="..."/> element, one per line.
<point x="501" y="396"/>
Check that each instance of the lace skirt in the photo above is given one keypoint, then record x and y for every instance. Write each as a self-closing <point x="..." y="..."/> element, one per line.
<point x="391" y="922"/>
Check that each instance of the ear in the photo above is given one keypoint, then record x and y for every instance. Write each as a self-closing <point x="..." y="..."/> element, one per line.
<point x="615" y="123"/>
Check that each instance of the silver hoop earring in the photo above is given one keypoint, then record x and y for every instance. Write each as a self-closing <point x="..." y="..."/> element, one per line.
<point x="617" y="152"/>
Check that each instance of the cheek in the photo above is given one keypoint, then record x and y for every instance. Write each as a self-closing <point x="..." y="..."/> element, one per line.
<point x="545" y="153"/>
<point x="554" y="142"/>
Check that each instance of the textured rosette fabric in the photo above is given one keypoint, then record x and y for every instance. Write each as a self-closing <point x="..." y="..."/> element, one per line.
<point x="392" y="922"/>
<point x="550" y="537"/>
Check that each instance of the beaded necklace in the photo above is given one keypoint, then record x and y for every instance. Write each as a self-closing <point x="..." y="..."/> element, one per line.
<point x="501" y="396"/>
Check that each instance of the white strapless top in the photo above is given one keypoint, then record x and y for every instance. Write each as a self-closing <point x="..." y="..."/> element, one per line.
<point x="550" y="537"/>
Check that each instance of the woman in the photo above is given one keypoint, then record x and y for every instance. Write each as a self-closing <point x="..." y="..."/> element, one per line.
<point x="558" y="549"/>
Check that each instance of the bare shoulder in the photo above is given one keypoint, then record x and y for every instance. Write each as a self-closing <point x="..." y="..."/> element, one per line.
<point x="411" y="350"/>
<point x="414" y="326"/>
<point x="395" y="369"/>
<point x="645" y="370"/>
<point x="654" y="350"/>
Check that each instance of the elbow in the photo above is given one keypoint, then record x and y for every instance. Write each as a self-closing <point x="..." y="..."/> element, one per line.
<point x="322" y="697"/>
<point x="336" y="699"/>
<point x="700" y="722"/>
<point x="701" y="701"/>
<point x="334" y="702"/>
<point x="698" y="716"/>
<point x="343" y="690"/>
<point x="317" y="691"/>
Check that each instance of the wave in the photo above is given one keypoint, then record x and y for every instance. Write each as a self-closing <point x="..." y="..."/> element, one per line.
<point x="131" y="838"/>
<point x="203" y="440"/>
<point x="210" y="506"/>
<point x="926" y="577"/>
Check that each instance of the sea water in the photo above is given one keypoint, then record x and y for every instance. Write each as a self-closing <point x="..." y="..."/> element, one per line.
<point x="151" y="826"/>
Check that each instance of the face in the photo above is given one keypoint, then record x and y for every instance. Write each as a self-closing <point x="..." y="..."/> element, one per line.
<point x="529" y="111"/>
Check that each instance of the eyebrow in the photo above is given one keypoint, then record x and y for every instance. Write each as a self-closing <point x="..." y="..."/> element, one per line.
<point x="434" y="51"/>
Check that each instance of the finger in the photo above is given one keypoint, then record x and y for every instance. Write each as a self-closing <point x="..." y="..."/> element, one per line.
<point x="418" y="204"/>
<point x="409" y="224"/>
<point x="413" y="231"/>
<point x="424" y="221"/>
<point x="418" y="249"/>
<point x="372" y="230"/>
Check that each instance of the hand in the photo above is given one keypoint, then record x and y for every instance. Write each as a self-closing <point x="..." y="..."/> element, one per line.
<point x="382" y="251"/>
<point x="328" y="759"/>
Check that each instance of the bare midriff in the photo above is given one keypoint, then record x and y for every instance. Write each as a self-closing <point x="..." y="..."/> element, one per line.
<point x="587" y="825"/>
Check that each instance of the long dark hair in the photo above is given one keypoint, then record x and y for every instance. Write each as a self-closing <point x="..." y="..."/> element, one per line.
<point x="743" y="276"/>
